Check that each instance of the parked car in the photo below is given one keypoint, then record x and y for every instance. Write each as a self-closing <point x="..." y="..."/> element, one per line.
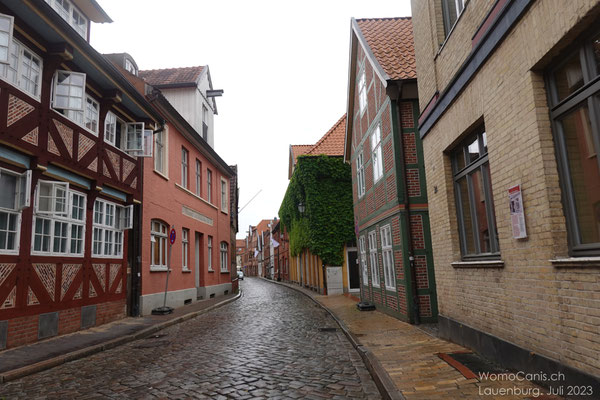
<point x="240" y="275"/>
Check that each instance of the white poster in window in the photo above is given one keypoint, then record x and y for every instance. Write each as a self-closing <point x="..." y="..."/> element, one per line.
<point x="517" y="213"/>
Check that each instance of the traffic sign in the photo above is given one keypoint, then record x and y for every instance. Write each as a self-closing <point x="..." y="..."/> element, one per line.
<point x="172" y="236"/>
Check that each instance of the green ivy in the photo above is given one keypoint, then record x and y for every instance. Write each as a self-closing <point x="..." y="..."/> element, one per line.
<point x="324" y="185"/>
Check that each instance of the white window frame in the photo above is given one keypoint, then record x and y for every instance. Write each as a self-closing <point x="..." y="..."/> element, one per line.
<point x="387" y="254"/>
<point x="22" y="199"/>
<point x="71" y="15"/>
<point x="110" y="128"/>
<point x="198" y="178"/>
<point x="58" y="191"/>
<point x="71" y="88"/>
<point x="148" y="141"/>
<point x="209" y="185"/>
<point x="9" y="36"/>
<point x="159" y="238"/>
<point x="363" y="260"/>
<point x="223" y="258"/>
<point x="224" y="195"/>
<point x="209" y="251"/>
<point x="91" y="118"/>
<point x="19" y="69"/>
<point x="185" y="168"/>
<point x="375" y="279"/>
<point x="61" y="226"/>
<point x="134" y="138"/>
<point x="376" y="158"/>
<point x="109" y="222"/>
<point x="161" y="154"/>
<point x="360" y="175"/>
<point x="185" y="249"/>
<point x="362" y="90"/>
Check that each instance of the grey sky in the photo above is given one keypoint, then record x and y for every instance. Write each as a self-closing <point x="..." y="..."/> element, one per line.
<point x="283" y="66"/>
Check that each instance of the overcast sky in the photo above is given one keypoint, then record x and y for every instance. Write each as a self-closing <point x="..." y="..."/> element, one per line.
<point x="283" y="66"/>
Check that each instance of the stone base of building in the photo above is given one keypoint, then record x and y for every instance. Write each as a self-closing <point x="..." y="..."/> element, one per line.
<point x="208" y="292"/>
<point x="24" y="330"/>
<point x="518" y="359"/>
<point x="175" y="298"/>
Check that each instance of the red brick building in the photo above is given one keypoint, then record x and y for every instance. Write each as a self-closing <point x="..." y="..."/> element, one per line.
<point x="384" y="148"/>
<point x="70" y="192"/>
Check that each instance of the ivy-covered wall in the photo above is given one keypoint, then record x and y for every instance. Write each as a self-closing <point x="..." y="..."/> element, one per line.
<point x="324" y="185"/>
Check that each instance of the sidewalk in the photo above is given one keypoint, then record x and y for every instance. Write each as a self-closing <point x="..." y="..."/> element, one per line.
<point x="26" y="360"/>
<point x="406" y="358"/>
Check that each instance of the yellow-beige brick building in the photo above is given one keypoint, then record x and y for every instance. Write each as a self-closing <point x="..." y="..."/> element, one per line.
<point x="510" y="119"/>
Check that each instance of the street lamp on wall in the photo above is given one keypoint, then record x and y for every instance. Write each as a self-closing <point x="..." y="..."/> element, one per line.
<point x="301" y="207"/>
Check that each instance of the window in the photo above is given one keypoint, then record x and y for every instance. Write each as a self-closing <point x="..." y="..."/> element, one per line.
<point x="185" y="249"/>
<point x="130" y="67"/>
<point x="224" y="195"/>
<point x="377" y="159"/>
<point x="6" y="32"/>
<point x="363" y="260"/>
<point x="389" y="275"/>
<point x="360" y="175"/>
<point x="198" y="178"/>
<point x="210" y="249"/>
<point x="110" y="220"/>
<point x="362" y="91"/>
<point x="204" y="122"/>
<point x="110" y="128"/>
<point x="158" y="248"/>
<point x="71" y="14"/>
<point x="373" y="258"/>
<point x="574" y="91"/>
<point x="14" y="197"/>
<point x="209" y="185"/>
<point x="68" y="91"/>
<point x="451" y="10"/>
<point x="134" y="137"/>
<point x="474" y="202"/>
<point x="184" y="167"/>
<point x="160" y="150"/>
<point x="58" y="220"/>
<point x="224" y="267"/>
<point x="24" y="69"/>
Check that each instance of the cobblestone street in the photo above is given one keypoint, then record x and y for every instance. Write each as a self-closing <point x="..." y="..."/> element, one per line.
<point x="267" y="345"/>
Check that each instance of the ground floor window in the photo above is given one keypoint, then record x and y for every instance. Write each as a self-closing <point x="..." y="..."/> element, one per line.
<point x="185" y="249"/>
<point x="158" y="248"/>
<point x="224" y="267"/>
<point x="388" y="257"/>
<point x="373" y="258"/>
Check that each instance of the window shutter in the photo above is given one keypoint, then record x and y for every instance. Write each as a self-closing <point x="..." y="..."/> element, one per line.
<point x="23" y="194"/>
<point x="148" y="142"/>
<point x="52" y="198"/>
<point x="125" y="217"/>
<point x="68" y="91"/>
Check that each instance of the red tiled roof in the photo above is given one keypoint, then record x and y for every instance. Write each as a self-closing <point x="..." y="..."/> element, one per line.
<point x="171" y="76"/>
<point x="392" y="43"/>
<point x="300" y="149"/>
<point x="332" y="143"/>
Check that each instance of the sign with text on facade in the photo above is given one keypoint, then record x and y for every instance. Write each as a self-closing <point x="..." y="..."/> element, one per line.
<point x="517" y="213"/>
<point x="172" y="236"/>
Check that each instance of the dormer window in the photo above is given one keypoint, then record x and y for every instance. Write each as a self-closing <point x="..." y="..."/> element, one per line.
<point x="67" y="10"/>
<point x="130" y="67"/>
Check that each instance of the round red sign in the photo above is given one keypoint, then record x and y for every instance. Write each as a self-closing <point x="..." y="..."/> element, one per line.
<point x="172" y="236"/>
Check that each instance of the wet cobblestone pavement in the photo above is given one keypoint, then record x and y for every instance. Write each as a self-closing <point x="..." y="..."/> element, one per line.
<point x="270" y="344"/>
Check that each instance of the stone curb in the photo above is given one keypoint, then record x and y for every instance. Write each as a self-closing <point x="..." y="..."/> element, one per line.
<point x="382" y="379"/>
<point x="88" y="351"/>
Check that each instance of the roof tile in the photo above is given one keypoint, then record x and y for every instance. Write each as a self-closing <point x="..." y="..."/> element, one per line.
<point x="392" y="43"/>
<point x="170" y="76"/>
<point x="332" y="143"/>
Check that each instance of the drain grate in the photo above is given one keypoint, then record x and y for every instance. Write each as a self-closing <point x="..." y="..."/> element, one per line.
<point x="328" y="329"/>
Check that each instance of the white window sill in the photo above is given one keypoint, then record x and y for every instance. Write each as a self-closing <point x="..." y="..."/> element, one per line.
<point x="158" y="269"/>
<point x="81" y="126"/>
<point x="49" y="254"/>
<point x="186" y="270"/>
<point x="576" y="262"/>
<point x="161" y="175"/>
<point x="178" y="186"/>
<point x="390" y="289"/>
<point x="211" y="270"/>
<point x="33" y="96"/>
<point x="479" y="264"/>
<point x="10" y="252"/>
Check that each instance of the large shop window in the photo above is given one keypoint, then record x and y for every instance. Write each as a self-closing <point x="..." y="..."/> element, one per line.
<point x="14" y="197"/>
<point x="158" y="249"/>
<point x="59" y="220"/>
<point x="110" y="220"/>
<point x="373" y="258"/>
<point x="574" y="93"/>
<point x="474" y="202"/>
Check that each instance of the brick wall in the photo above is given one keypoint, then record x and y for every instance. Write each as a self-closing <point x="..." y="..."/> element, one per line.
<point x="547" y="310"/>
